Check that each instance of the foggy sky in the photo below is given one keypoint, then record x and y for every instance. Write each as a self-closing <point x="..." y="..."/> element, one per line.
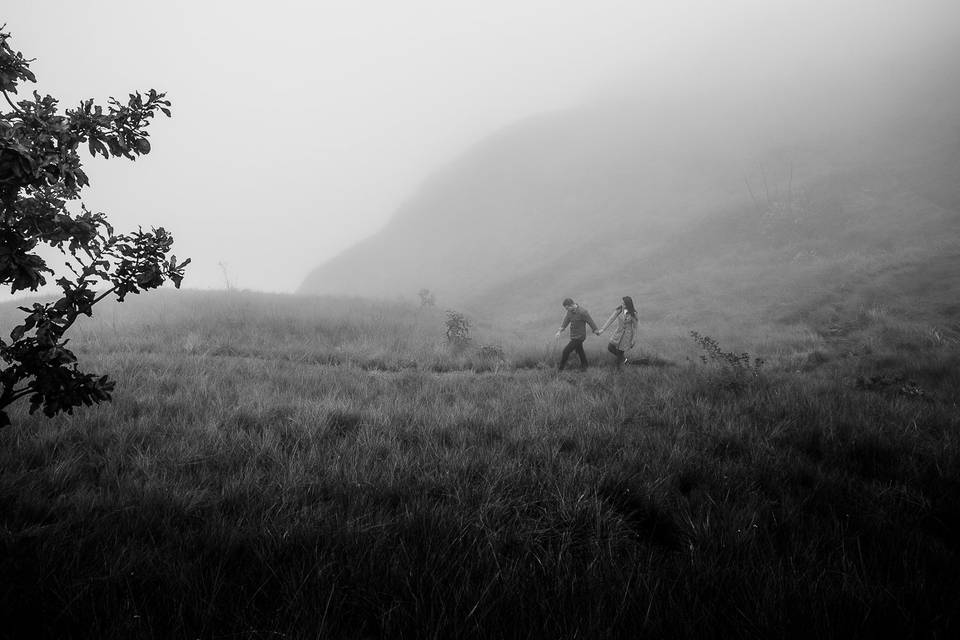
<point x="300" y="127"/>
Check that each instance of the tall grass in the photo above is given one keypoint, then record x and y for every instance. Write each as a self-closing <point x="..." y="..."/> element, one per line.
<point x="267" y="478"/>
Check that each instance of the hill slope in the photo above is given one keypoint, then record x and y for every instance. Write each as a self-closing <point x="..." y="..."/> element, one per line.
<point x="844" y="231"/>
<point x="697" y="203"/>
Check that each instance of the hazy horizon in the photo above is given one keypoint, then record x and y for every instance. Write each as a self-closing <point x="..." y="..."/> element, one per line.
<point x="299" y="132"/>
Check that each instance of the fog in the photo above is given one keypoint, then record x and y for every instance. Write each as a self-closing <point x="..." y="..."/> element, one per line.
<point x="299" y="128"/>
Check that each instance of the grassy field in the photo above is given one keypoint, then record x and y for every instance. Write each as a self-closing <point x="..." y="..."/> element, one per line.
<point x="282" y="467"/>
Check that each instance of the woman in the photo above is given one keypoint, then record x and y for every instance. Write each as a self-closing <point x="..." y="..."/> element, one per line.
<point x="623" y="337"/>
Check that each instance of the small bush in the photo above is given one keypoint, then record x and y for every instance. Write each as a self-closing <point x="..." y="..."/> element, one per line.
<point x="736" y="362"/>
<point x="736" y="369"/>
<point x="458" y="330"/>
<point x="491" y="355"/>
<point x="427" y="299"/>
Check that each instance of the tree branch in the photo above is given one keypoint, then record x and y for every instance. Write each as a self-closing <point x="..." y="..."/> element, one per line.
<point x="20" y="393"/>
<point x="75" y="314"/>
<point x="13" y="396"/>
<point x="103" y="295"/>
<point x="10" y="102"/>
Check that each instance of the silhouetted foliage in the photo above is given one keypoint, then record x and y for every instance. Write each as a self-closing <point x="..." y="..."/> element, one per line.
<point x="40" y="173"/>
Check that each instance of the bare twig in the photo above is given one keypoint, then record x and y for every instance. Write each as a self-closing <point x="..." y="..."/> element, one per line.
<point x="766" y="187"/>
<point x="752" y="197"/>
<point x="103" y="295"/>
<point x="790" y="184"/>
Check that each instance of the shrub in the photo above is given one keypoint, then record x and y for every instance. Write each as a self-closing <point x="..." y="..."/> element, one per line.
<point x="490" y="352"/>
<point x="736" y="362"/>
<point x="427" y="299"/>
<point x="491" y="357"/>
<point x="458" y="330"/>
<point x="736" y="369"/>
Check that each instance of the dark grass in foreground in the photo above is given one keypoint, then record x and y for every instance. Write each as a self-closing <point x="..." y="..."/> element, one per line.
<point x="228" y="497"/>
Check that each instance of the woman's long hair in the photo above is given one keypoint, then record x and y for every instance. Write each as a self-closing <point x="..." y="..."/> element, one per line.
<point x="628" y="305"/>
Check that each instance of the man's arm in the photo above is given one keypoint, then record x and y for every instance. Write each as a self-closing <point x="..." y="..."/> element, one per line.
<point x="566" y="321"/>
<point x="593" y="325"/>
<point x="613" y="317"/>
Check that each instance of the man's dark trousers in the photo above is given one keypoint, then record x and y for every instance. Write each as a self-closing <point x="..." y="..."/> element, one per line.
<point x="575" y="344"/>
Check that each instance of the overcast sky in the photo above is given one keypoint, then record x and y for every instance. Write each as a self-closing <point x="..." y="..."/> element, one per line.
<point x="299" y="127"/>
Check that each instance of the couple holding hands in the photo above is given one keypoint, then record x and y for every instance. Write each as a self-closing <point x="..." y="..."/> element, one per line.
<point x="578" y="318"/>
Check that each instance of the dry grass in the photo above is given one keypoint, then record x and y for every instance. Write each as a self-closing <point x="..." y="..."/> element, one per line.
<point x="283" y="467"/>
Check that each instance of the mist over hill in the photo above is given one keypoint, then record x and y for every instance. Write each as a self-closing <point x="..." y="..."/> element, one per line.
<point x="716" y="195"/>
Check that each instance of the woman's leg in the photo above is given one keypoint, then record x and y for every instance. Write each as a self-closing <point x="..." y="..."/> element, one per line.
<point x="617" y="353"/>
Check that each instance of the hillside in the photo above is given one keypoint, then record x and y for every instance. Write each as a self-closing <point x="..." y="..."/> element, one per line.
<point x="521" y="198"/>
<point x="843" y="232"/>
<point x="719" y="204"/>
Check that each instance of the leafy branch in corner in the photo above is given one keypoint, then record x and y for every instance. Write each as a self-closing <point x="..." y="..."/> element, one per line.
<point x="40" y="174"/>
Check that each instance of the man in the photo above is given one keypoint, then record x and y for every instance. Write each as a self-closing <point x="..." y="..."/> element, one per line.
<point x="578" y="318"/>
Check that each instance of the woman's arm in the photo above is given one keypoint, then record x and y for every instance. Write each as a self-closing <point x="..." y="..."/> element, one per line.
<point x="613" y="317"/>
